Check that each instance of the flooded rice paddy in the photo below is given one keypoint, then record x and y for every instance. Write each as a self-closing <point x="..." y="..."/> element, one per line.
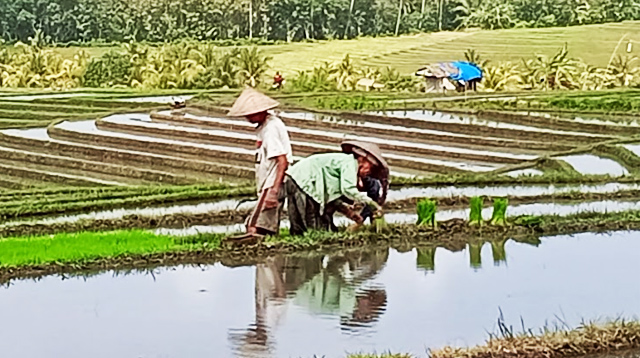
<point x="432" y="116"/>
<point x="326" y="305"/>
<point x="605" y="206"/>
<point x="394" y="195"/>
<point x="590" y="164"/>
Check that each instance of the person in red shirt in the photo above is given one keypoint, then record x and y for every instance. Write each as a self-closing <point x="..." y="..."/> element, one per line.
<point x="278" y="81"/>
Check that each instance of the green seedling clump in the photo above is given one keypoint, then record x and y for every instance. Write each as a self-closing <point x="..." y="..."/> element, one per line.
<point x="380" y="224"/>
<point x="475" y="257"/>
<point x="475" y="216"/>
<point x="427" y="213"/>
<point x="499" y="211"/>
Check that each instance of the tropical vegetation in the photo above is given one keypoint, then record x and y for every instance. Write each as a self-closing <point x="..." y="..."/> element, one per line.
<point x="227" y="21"/>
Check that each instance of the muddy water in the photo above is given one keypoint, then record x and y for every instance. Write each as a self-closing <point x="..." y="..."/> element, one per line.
<point x="440" y="117"/>
<point x="399" y="194"/>
<point x="298" y="306"/>
<point x="157" y="99"/>
<point x="606" y="206"/>
<point x="591" y="164"/>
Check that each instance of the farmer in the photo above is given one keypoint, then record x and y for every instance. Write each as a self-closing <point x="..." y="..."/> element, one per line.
<point x="321" y="184"/>
<point x="278" y="81"/>
<point x="273" y="156"/>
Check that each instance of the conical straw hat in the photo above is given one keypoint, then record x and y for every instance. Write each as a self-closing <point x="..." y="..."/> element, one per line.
<point x="371" y="150"/>
<point x="251" y="101"/>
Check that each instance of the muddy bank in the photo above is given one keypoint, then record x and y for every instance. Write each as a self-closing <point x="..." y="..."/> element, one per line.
<point x="197" y="169"/>
<point x="230" y="217"/>
<point x="452" y="234"/>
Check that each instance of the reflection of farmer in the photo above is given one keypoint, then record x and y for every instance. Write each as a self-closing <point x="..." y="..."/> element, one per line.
<point x="370" y="304"/>
<point x="324" y="183"/>
<point x="339" y="290"/>
<point x="273" y="156"/>
<point x="332" y="289"/>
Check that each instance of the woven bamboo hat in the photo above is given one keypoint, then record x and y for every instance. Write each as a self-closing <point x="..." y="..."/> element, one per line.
<point x="368" y="150"/>
<point x="251" y="101"/>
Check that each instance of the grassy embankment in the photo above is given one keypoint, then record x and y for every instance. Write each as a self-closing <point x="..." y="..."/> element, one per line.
<point x="38" y="255"/>
<point x="592" y="43"/>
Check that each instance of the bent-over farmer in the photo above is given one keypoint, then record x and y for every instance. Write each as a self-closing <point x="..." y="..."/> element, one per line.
<point x="273" y="156"/>
<point x="321" y="184"/>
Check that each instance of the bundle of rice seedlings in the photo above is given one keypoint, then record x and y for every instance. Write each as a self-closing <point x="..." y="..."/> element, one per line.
<point x="426" y="259"/>
<point x="475" y="257"/>
<point x="380" y="224"/>
<point x="499" y="211"/>
<point x="475" y="215"/>
<point x="427" y="213"/>
<point x="498" y="251"/>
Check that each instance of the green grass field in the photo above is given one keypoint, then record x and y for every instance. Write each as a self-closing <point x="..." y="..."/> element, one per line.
<point x="593" y="43"/>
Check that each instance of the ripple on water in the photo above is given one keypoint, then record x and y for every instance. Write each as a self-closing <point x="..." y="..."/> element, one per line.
<point x="327" y="304"/>
<point x="589" y="164"/>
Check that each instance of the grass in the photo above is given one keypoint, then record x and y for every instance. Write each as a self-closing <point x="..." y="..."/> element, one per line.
<point x="64" y="248"/>
<point x="81" y="247"/>
<point x="592" y="43"/>
<point x="588" y="338"/>
<point x="88" y="200"/>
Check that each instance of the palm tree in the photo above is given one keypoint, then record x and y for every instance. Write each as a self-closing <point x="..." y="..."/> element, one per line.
<point x="252" y="65"/>
<point x="344" y="73"/>
<point x="399" y="17"/>
<point x="498" y="78"/>
<point x="623" y="68"/>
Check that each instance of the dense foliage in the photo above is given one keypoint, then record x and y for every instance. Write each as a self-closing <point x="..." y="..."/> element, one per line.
<point x="85" y="21"/>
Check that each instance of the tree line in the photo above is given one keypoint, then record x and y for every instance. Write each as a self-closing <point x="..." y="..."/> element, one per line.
<point x="90" y="21"/>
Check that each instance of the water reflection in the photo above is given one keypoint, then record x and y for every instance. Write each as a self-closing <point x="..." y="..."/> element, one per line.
<point x="322" y="304"/>
<point x="426" y="255"/>
<point x="322" y="285"/>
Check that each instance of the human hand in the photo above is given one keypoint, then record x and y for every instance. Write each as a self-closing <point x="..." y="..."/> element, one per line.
<point x="378" y="214"/>
<point x="271" y="201"/>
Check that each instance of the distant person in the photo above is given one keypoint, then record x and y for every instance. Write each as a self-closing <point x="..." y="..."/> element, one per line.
<point x="273" y="156"/>
<point x="278" y="81"/>
<point x="321" y="184"/>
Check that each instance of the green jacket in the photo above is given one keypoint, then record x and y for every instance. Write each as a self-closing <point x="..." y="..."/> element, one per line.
<point x="329" y="176"/>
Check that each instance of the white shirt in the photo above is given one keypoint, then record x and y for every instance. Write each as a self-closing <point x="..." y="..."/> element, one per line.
<point x="273" y="141"/>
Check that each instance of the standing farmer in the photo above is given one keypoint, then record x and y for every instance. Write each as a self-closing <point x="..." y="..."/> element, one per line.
<point x="321" y="184"/>
<point x="273" y="156"/>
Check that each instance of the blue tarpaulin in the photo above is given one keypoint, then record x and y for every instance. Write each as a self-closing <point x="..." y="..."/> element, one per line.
<point x="466" y="72"/>
<point x="456" y="71"/>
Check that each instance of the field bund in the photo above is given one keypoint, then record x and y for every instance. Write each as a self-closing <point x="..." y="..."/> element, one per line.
<point x="202" y="145"/>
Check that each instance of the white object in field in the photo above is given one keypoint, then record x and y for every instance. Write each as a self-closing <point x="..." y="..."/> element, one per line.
<point x="438" y="84"/>
<point x="368" y="83"/>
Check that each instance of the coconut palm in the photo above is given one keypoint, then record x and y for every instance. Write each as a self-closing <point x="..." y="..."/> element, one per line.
<point x="500" y="77"/>
<point x="345" y="73"/>
<point x="252" y="65"/>
<point x="472" y="56"/>
<point x="557" y="71"/>
<point x="624" y="69"/>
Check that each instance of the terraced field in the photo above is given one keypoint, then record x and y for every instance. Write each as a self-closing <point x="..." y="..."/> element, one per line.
<point x="111" y="181"/>
<point x="122" y="147"/>
<point x="112" y="139"/>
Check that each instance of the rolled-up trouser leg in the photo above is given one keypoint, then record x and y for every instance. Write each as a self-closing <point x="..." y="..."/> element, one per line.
<point x="266" y="221"/>
<point x="304" y="212"/>
<point x="372" y="186"/>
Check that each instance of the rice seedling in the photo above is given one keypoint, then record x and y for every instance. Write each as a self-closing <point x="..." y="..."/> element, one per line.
<point x="427" y="213"/>
<point x="499" y="211"/>
<point x="475" y="257"/>
<point x="498" y="251"/>
<point x="426" y="258"/>
<point x="380" y="224"/>
<point x="475" y="215"/>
